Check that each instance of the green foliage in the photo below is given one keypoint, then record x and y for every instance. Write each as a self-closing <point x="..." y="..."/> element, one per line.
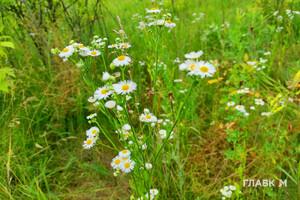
<point x="43" y="121"/>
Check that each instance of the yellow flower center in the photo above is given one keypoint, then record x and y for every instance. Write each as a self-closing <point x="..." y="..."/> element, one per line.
<point x="124" y="151"/>
<point x="94" y="132"/>
<point x="80" y="46"/>
<point x="89" y="141"/>
<point x="104" y="91"/>
<point x="94" y="53"/>
<point x="192" y="66"/>
<point x="121" y="58"/>
<point x="127" y="165"/>
<point x="148" y="116"/>
<point x="117" y="161"/>
<point x="65" y="50"/>
<point x="204" y="69"/>
<point x="125" y="87"/>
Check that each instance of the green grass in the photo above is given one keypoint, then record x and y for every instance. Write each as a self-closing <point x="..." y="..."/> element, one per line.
<point x="43" y="116"/>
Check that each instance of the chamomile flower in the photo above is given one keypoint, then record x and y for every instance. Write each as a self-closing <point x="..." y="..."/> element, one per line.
<point x="259" y="102"/>
<point x="203" y="69"/>
<point x="169" y="24"/>
<point x="119" y="108"/>
<point x="92" y="132"/>
<point x="110" y="104"/>
<point x="127" y="166"/>
<point x="148" y="166"/>
<point x="148" y="117"/>
<point x="116" y="162"/>
<point x="240" y="108"/>
<point x="84" y="51"/>
<point x="124" y="153"/>
<point x="162" y="133"/>
<point x="102" y="93"/>
<point x="153" y="10"/>
<point x="126" y="127"/>
<point x="105" y="76"/>
<point x="124" y="87"/>
<point x="122" y="61"/>
<point x="94" y="53"/>
<point x="89" y="143"/>
<point x="230" y="103"/>
<point x="67" y="52"/>
<point x="189" y="65"/>
<point x="193" y="55"/>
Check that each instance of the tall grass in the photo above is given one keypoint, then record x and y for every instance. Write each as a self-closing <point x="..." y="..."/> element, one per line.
<point x="43" y="116"/>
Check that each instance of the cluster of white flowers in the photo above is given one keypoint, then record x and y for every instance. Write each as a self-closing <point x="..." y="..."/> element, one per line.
<point x="241" y="108"/>
<point x="122" y="88"/>
<point x="243" y="91"/>
<point x="156" y="17"/>
<point x="93" y="50"/>
<point x="259" y="102"/>
<point x="195" y="67"/>
<point x="122" y="162"/>
<point x="92" y="136"/>
<point x="148" y="117"/>
<point x="124" y="132"/>
<point x="150" y="195"/>
<point x="291" y="13"/>
<point x="197" y="17"/>
<point x="226" y="191"/>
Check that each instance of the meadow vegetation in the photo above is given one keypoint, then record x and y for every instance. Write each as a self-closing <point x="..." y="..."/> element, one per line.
<point x="136" y="99"/>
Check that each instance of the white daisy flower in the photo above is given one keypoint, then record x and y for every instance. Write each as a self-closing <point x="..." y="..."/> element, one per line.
<point x="127" y="166"/>
<point x="153" y="10"/>
<point x="203" y="69"/>
<point x="85" y="51"/>
<point x="162" y="133"/>
<point x="243" y="91"/>
<point x="124" y="153"/>
<point x="119" y="108"/>
<point x="158" y="22"/>
<point x="193" y="55"/>
<point x="116" y="162"/>
<point x="102" y="93"/>
<point x="121" y="61"/>
<point x="126" y="127"/>
<point x="92" y="132"/>
<point x="148" y="117"/>
<point x="124" y="45"/>
<point x="94" y="53"/>
<point x="259" y="102"/>
<point x="189" y="65"/>
<point x="240" y="108"/>
<point x="124" y="87"/>
<point x="110" y="104"/>
<point x="252" y="107"/>
<point x="148" y="166"/>
<point x="105" y="76"/>
<point x="67" y="52"/>
<point x="232" y="187"/>
<point x="230" y="103"/>
<point x="89" y="143"/>
<point x="169" y="24"/>
<point x="144" y="146"/>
